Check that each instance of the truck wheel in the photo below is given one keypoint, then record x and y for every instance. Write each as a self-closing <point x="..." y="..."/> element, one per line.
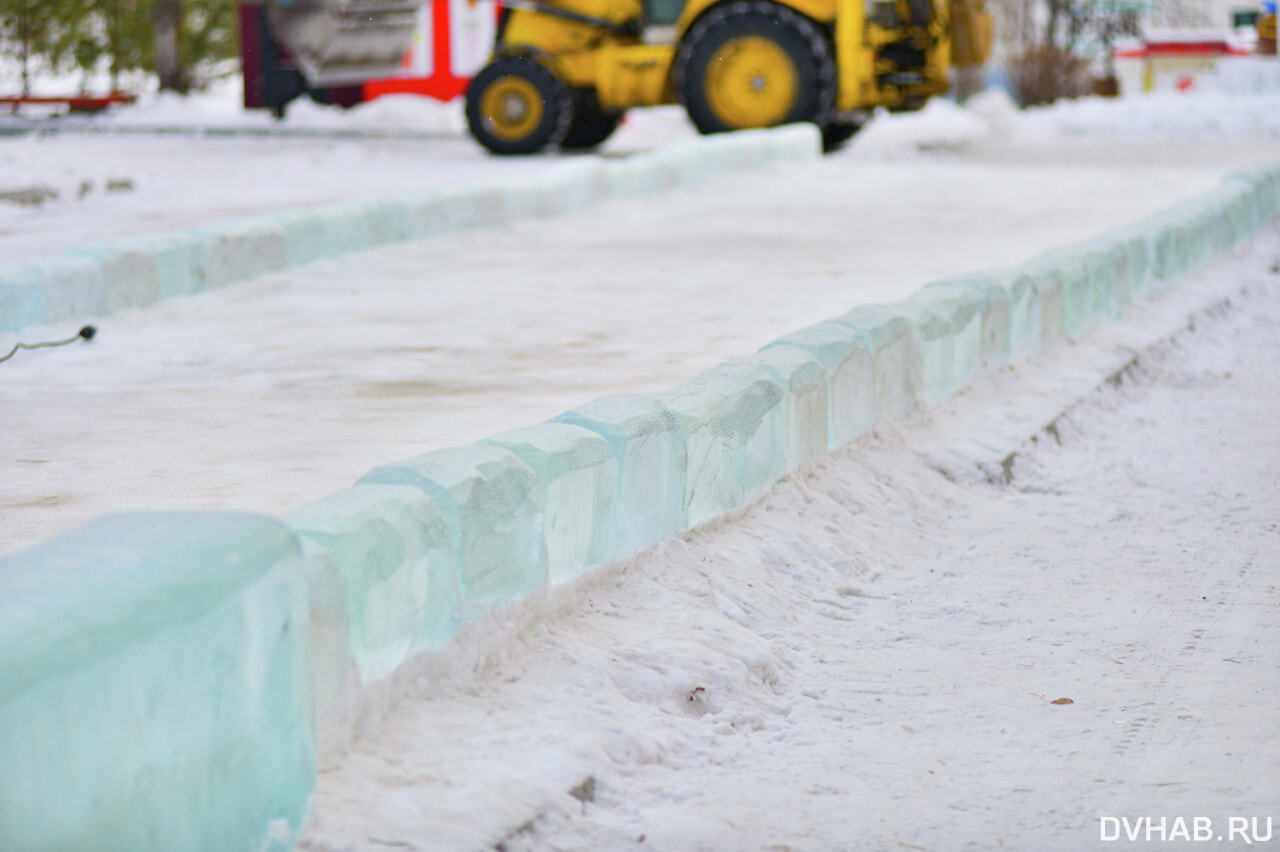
<point x="754" y="64"/>
<point x="590" y="124"/>
<point x="516" y="106"/>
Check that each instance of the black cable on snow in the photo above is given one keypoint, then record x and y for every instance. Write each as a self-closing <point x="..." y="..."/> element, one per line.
<point x="85" y="333"/>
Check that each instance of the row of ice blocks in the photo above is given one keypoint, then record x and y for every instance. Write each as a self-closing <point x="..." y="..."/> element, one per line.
<point x="92" y="280"/>
<point x="418" y="548"/>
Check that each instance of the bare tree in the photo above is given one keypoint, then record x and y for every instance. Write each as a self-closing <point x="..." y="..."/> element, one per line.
<point x="167" y="15"/>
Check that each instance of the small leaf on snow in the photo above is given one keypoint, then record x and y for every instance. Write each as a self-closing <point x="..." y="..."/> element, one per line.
<point x="1062" y="701"/>
<point x="585" y="791"/>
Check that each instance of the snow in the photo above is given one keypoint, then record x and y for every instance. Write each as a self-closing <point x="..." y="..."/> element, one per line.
<point x="1179" y="117"/>
<point x="869" y="657"/>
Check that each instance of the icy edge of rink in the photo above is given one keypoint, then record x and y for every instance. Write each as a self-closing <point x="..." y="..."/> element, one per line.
<point x="171" y="681"/>
<point x="155" y="686"/>
<point x="93" y="280"/>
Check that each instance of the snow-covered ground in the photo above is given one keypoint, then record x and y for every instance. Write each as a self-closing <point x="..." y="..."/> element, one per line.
<point x="267" y="395"/>
<point x="873" y="656"/>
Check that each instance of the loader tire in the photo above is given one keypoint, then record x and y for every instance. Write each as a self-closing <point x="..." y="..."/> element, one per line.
<point x="755" y="64"/>
<point x="515" y="105"/>
<point x="590" y="125"/>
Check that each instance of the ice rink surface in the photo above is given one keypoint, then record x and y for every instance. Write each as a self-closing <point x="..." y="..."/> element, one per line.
<point x="269" y="394"/>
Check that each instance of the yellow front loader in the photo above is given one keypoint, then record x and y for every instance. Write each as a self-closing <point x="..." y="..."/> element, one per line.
<point x="563" y="72"/>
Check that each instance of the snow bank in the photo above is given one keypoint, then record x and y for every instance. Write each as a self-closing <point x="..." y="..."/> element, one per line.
<point x="220" y="108"/>
<point x="939" y="125"/>
<point x="417" y="549"/>
<point x="97" y="279"/>
<point x="1213" y="114"/>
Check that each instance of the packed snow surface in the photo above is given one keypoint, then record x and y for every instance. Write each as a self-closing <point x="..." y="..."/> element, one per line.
<point x="1052" y="599"/>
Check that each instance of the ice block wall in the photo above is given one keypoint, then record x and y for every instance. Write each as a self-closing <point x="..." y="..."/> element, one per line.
<point x="92" y="280"/>
<point x="169" y="681"/>
<point x="155" y="687"/>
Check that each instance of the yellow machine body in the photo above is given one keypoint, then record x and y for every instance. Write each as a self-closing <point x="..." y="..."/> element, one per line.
<point x="625" y="53"/>
<point x="626" y="72"/>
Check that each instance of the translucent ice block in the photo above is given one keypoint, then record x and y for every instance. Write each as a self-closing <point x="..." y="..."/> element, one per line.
<point x="757" y="402"/>
<point x="452" y="208"/>
<point x="392" y="547"/>
<point x="650" y="449"/>
<point x="237" y="251"/>
<point x="72" y="287"/>
<point x="335" y="681"/>
<point x="493" y="504"/>
<point x="1082" y="302"/>
<point x="180" y="263"/>
<point x="563" y="188"/>
<point x="804" y="382"/>
<point x="1171" y="245"/>
<point x="128" y="272"/>
<point x="897" y="358"/>
<point x="1046" y="280"/>
<point x="630" y="178"/>
<point x="1024" y="313"/>
<point x="847" y="361"/>
<point x="1129" y="254"/>
<point x="579" y="475"/>
<point x="712" y="485"/>
<point x="949" y="330"/>
<point x="155" y="687"/>
<point x="304" y="235"/>
<point x="344" y="227"/>
<point x="386" y="220"/>
<point x="22" y="299"/>
<point x="986" y="290"/>
<point x="1243" y="210"/>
